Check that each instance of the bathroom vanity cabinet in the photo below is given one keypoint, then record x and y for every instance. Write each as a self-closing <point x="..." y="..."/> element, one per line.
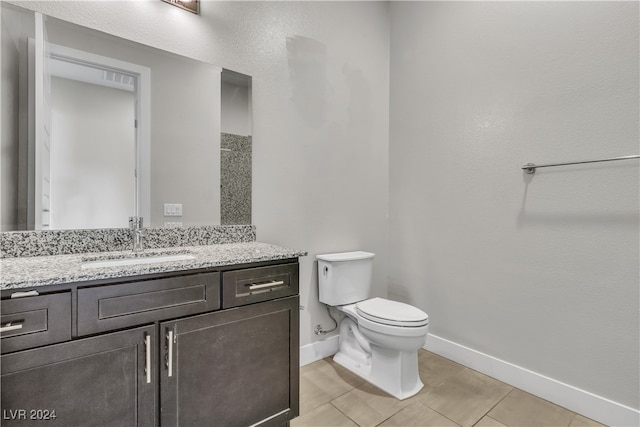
<point x="215" y="347"/>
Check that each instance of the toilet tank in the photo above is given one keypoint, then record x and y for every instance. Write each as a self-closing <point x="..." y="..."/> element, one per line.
<point x="345" y="277"/>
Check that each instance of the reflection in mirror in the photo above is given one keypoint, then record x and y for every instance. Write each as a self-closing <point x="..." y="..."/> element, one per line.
<point x="95" y="127"/>
<point x="105" y="164"/>
<point x="235" y="149"/>
<point x="192" y="6"/>
<point x="184" y="138"/>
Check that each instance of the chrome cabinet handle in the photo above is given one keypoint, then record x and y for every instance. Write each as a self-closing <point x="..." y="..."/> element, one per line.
<point x="10" y="327"/>
<point x="170" y="353"/>
<point x="147" y="366"/>
<point x="266" y="285"/>
<point x="22" y="294"/>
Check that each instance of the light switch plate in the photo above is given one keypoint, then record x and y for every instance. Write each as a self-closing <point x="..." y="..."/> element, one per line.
<point x="173" y="209"/>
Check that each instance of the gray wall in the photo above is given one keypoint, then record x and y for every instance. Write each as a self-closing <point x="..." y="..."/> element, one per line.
<point x="9" y="110"/>
<point x="320" y="98"/>
<point x="16" y="27"/>
<point x="235" y="114"/>
<point x="540" y="271"/>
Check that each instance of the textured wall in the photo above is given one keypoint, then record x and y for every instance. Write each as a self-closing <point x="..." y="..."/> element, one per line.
<point x="540" y="271"/>
<point x="320" y="113"/>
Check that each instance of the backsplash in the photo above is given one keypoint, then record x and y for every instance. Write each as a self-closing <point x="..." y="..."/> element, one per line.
<point x="64" y="242"/>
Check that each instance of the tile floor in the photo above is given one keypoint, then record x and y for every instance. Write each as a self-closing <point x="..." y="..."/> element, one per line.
<point x="453" y="395"/>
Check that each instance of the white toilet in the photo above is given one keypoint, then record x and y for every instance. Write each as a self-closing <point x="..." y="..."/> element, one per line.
<point x="379" y="338"/>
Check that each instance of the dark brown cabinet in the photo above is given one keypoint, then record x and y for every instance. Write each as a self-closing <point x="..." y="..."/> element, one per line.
<point x="250" y="285"/>
<point x="235" y="367"/>
<point x="35" y="321"/>
<point x="109" y="307"/>
<point x="162" y="353"/>
<point x="98" y="381"/>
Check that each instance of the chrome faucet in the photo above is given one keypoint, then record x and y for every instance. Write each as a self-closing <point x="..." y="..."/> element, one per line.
<point x="137" y="233"/>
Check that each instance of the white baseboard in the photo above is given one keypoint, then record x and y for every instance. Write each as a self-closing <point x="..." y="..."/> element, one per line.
<point x="583" y="402"/>
<point x="318" y="350"/>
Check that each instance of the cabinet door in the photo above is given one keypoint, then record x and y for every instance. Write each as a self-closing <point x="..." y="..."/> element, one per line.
<point x="237" y="367"/>
<point x="107" y="380"/>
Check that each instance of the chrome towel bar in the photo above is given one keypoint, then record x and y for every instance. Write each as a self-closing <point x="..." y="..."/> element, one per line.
<point x="531" y="167"/>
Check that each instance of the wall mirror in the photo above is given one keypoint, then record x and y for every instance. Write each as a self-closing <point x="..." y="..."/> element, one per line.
<point x="96" y="128"/>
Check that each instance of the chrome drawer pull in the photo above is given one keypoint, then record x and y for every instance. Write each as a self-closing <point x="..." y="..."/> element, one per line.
<point x="170" y="354"/>
<point x="22" y="294"/>
<point x="147" y="366"/>
<point x="10" y="327"/>
<point x="266" y="285"/>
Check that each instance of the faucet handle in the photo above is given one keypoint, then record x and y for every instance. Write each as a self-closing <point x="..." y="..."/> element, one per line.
<point x="135" y="222"/>
<point x="137" y="232"/>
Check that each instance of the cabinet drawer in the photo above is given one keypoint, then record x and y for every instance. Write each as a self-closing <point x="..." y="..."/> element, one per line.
<point x="35" y="321"/>
<point x="241" y="287"/>
<point x="105" y="308"/>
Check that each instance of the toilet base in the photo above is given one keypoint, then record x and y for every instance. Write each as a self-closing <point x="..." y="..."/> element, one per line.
<point x="393" y="371"/>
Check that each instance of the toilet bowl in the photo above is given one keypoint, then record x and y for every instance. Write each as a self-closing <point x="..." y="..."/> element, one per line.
<point x="386" y="355"/>
<point x="379" y="338"/>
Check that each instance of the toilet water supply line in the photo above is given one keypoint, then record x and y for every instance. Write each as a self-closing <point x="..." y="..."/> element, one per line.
<point x="320" y="331"/>
<point x="346" y="324"/>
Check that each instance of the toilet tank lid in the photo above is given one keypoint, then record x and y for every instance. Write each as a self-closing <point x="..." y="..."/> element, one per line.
<point x="346" y="256"/>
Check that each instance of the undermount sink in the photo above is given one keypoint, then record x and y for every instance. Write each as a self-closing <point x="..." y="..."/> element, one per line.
<point x="151" y="259"/>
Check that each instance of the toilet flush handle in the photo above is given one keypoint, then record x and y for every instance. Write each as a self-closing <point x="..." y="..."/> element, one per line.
<point x="325" y="270"/>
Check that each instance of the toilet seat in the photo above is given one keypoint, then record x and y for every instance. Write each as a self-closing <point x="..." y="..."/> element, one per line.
<point x="391" y="313"/>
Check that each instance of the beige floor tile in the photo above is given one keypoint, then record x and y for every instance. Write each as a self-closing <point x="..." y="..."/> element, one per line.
<point x="323" y="416"/>
<point x="487" y="421"/>
<point x="435" y="369"/>
<point x="451" y="393"/>
<point x="331" y="374"/>
<point x="418" y="415"/>
<point x="322" y="381"/>
<point x="466" y="396"/>
<point x="523" y="409"/>
<point x="369" y="406"/>
<point x="311" y="396"/>
<point x="580" y="421"/>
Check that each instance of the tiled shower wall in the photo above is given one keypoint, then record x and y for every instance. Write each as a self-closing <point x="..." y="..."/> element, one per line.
<point x="235" y="179"/>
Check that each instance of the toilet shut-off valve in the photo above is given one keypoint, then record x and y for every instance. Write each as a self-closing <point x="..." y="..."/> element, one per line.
<point x="320" y="331"/>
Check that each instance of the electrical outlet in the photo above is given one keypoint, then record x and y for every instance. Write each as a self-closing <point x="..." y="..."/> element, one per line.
<point x="173" y="209"/>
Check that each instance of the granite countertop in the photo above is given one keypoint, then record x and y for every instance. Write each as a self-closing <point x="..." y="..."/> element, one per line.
<point x="27" y="272"/>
